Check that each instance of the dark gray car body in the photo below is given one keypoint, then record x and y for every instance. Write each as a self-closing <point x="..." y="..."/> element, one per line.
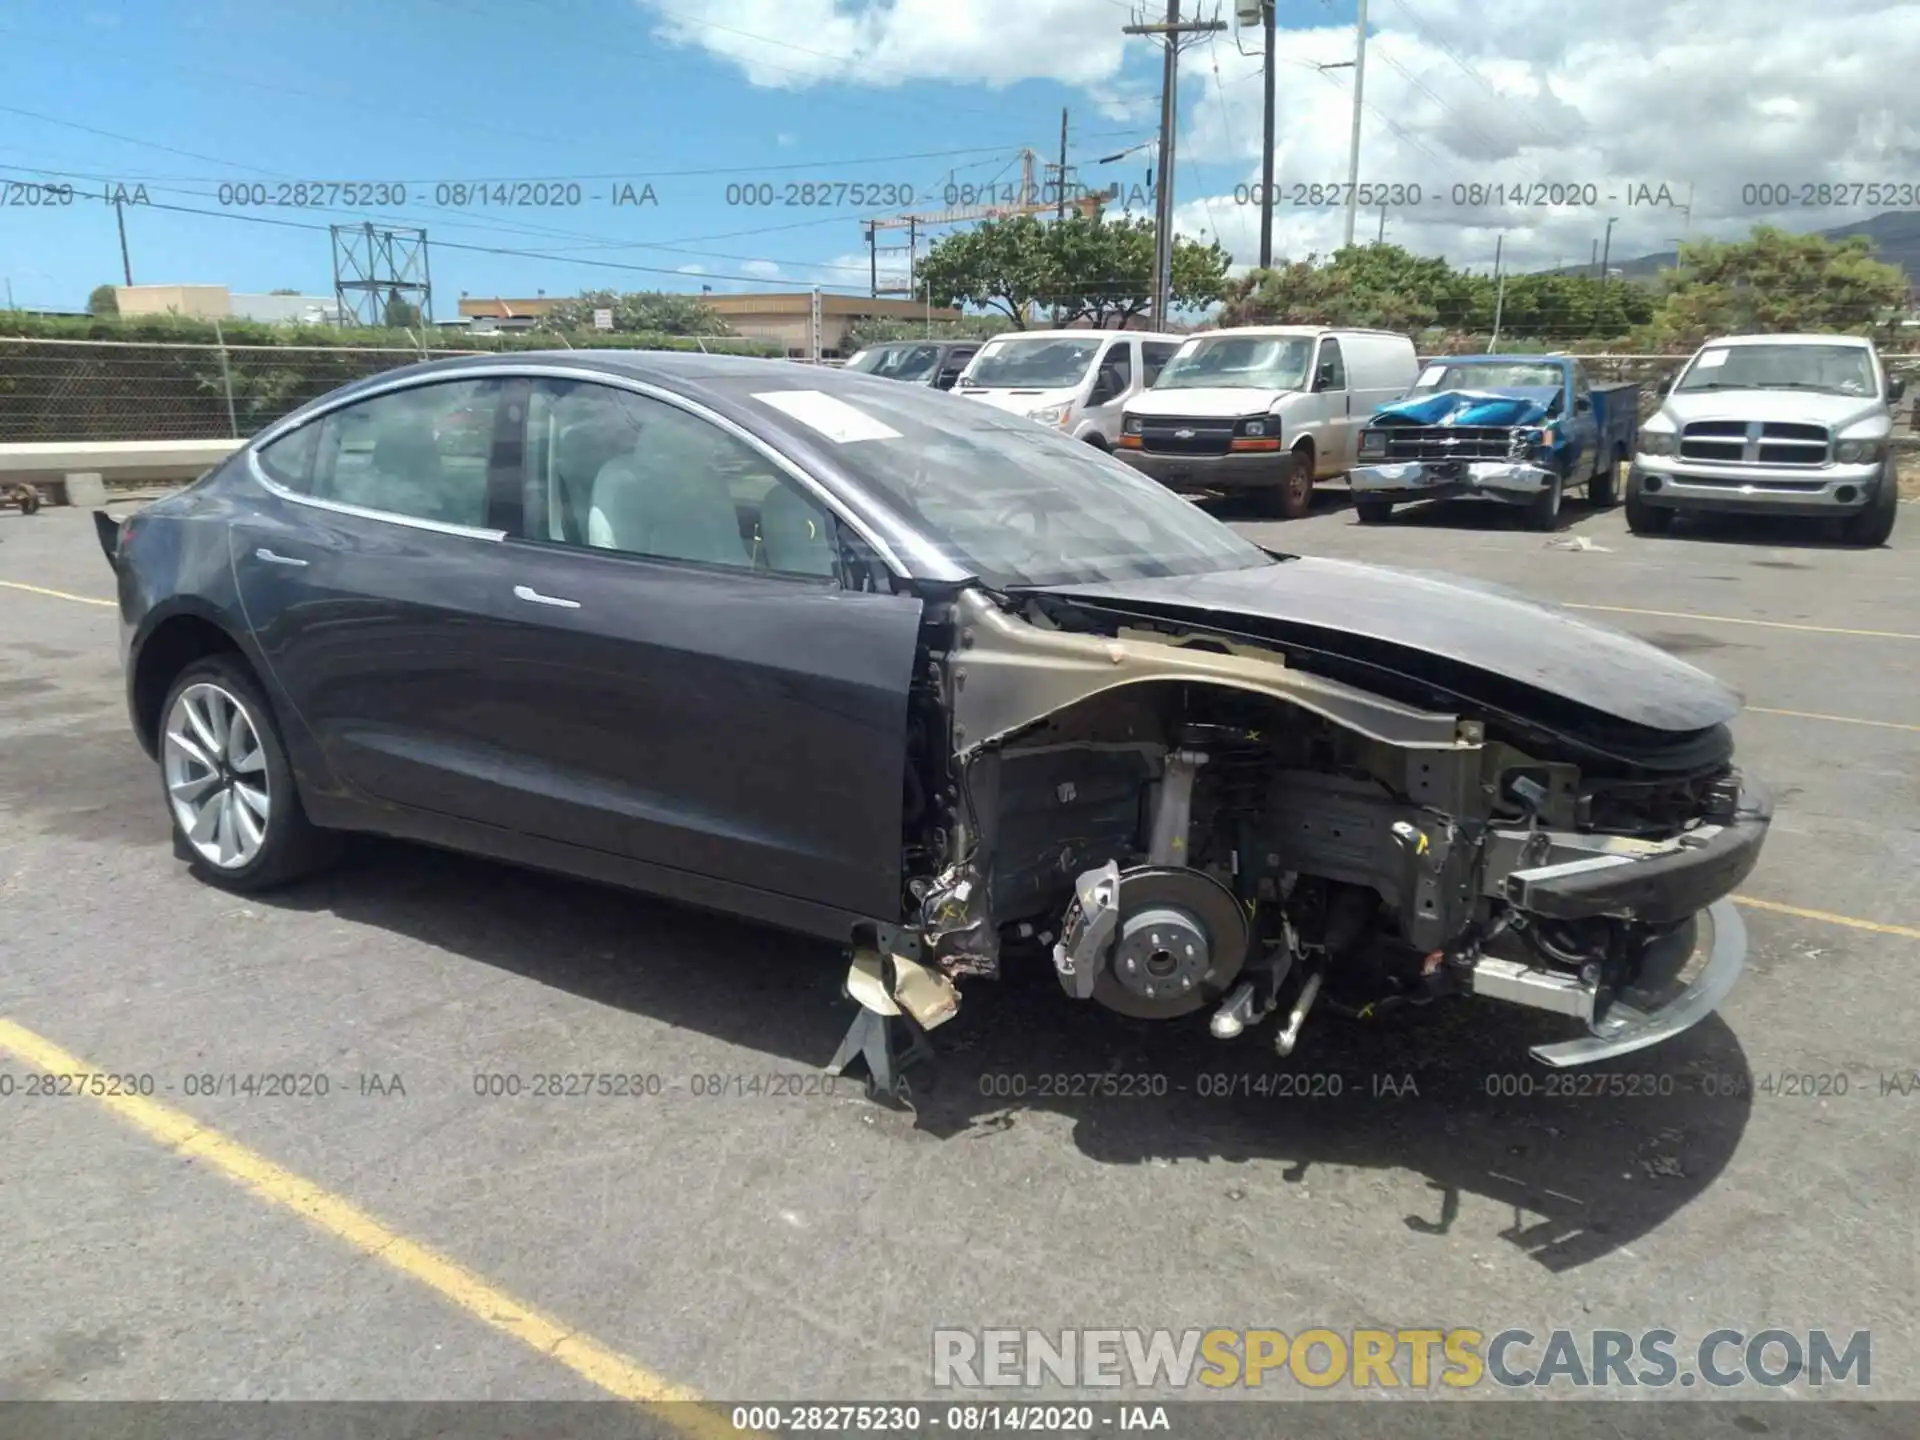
<point x="735" y="742"/>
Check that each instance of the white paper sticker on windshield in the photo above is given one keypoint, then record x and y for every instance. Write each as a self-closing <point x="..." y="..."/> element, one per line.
<point x="1430" y="376"/>
<point x="833" y="418"/>
<point x="1711" y="358"/>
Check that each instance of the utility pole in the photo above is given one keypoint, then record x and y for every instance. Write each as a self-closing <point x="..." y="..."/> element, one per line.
<point x="873" y="264"/>
<point x="1381" y="238"/>
<point x="1266" y="149"/>
<point x="1172" y="32"/>
<point x="1060" y="200"/>
<point x="120" y="215"/>
<point x="1499" y="290"/>
<point x="1359" y="90"/>
<point x="1606" y="253"/>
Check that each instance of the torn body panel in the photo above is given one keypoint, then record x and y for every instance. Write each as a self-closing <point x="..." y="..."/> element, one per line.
<point x="1175" y="810"/>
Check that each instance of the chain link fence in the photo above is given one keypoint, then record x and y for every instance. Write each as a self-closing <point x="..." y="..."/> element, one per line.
<point x="91" y="390"/>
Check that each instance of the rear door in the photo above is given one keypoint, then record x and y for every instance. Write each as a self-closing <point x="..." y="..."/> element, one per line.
<point x="378" y="590"/>
<point x="699" y="685"/>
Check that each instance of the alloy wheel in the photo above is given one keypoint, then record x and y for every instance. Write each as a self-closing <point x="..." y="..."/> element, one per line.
<point x="216" y="775"/>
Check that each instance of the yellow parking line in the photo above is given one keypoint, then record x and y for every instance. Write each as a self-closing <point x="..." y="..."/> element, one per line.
<point x="496" y="1309"/>
<point x="1837" y="719"/>
<point x="1827" y="917"/>
<point x="1737" y="620"/>
<point x="56" y="594"/>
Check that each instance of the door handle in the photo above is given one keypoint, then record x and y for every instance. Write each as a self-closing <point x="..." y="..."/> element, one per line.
<point x="272" y="559"/>
<point x="528" y="593"/>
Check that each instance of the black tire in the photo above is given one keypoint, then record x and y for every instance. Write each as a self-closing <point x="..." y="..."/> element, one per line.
<point x="1373" y="512"/>
<point x="1645" y="519"/>
<point x="290" y="846"/>
<point x="30" y="501"/>
<point x="1543" y="512"/>
<point x="1292" y="497"/>
<point x="1603" y="491"/>
<point x="1873" y="526"/>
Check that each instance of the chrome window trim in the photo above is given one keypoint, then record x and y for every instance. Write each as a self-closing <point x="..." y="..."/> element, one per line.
<point x="808" y="483"/>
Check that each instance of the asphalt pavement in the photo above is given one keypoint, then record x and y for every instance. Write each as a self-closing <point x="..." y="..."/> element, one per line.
<point x="734" y="1226"/>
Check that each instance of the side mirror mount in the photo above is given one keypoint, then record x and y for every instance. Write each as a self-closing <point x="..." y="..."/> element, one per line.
<point x="1323" y="377"/>
<point x="1668" y="381"/>
<point x="1107" y="387"/>
<point x="1582" y="404"/>
<point x="1896" y="386"/>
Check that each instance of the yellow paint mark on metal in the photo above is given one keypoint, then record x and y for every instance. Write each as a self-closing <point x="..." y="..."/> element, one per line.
<point x="1738" y="620"/>
<point x="1836" y="719"/>
<point x="485" y="1302"/>
<point x="1827" y="917"/>
<point x="58" y="594"/>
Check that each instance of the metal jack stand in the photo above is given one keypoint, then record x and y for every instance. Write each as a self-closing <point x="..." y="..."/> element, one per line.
<point x="886" y="1036"/>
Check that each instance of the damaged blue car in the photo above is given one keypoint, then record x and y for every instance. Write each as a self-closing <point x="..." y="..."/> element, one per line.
<point x="1522" y="430"/>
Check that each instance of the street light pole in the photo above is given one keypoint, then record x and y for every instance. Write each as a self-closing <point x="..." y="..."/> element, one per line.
<point x="1353" y="149"/>
<point x="1266" y="150"/>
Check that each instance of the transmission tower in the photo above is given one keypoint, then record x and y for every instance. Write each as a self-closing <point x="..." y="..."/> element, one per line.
<point x="373" y="267"/>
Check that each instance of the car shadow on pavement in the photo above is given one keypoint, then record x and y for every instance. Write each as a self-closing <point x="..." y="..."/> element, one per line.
<point x="1777" y="532"/>
<point x="1588" y="1160"/>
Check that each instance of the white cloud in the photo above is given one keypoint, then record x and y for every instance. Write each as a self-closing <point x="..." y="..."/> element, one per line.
<point x="1675" y="91"/>
<point x="762" y="269"/>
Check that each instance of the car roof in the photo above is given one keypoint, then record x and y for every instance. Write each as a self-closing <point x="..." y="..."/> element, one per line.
<point x="1294" y="330"/>
<point x="1083" y="335"/>
<point x="1798" y="338"/>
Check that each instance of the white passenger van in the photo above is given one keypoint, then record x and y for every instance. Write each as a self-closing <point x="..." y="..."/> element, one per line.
<point x="1078" y="381"/>
<point x="1268" y="408"/>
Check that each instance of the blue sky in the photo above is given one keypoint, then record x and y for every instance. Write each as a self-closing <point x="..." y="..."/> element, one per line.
<point x="183" y="98"/>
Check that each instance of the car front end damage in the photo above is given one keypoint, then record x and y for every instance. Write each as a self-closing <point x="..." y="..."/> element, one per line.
<point x="1461" y="445"/>
<point x="1240" y="815"/>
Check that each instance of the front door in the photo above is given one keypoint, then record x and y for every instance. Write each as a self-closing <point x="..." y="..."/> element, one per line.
<point x="1341" y="441"/>
<point x="698" y="685"/>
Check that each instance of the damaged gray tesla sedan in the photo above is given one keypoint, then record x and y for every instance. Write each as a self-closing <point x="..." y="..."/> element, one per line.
<point x="932" y="681"/>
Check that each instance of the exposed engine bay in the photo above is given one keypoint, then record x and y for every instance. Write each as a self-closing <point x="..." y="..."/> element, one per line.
<point x="1183" y="814"/>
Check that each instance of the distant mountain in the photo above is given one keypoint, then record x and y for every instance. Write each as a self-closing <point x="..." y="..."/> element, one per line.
<point x="1895" y="236"/>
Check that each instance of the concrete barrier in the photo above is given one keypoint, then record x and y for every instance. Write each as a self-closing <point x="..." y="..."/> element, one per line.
<point x="110" y="462"/>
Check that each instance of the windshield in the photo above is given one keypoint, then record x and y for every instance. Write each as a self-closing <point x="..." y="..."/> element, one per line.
<point x="1016" y="503"/>
<point x="1504" y="376"/>
<point x="1240" y="362"/>
<point x="897" y="362"/>
<point x="1835" y="369"/>
<point x="1031" y="364"/>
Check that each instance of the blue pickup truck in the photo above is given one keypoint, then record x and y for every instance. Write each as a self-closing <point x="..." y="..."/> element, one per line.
<point x="1519" y="429"/>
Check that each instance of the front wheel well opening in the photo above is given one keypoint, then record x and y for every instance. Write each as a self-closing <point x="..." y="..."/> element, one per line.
<point x="172" y="647"/>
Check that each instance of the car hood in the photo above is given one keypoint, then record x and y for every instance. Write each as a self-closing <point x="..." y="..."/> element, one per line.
<point x="1205" y="403"/>
<point x="1520" y="405"/>
<point x="1810" y="406"/>
<point x="1438" y="628"/>
<point x="1021" y="401"/>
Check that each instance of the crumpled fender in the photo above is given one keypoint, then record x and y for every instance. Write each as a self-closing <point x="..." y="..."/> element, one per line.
<point x="1468" y="407"/>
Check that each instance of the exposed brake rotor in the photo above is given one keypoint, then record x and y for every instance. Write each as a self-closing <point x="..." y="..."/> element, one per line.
<point x="1159" y="941"/>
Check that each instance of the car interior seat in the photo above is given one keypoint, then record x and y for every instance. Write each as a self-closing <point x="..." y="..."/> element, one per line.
<point x="658" y="500"/>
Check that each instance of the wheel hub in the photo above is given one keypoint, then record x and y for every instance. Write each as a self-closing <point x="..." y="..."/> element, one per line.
<point x="1180" y="942"/>
<point x="215" y="769"/>
<point x="1162" y="952"/>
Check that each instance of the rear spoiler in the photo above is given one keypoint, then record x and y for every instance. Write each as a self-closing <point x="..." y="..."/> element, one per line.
<point x="108" y="529"/>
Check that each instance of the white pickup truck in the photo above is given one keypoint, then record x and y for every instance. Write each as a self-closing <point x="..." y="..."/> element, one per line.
<point x="1794" y="425"/>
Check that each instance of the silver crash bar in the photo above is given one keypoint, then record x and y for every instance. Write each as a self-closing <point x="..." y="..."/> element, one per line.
<point x="1625" y="1027"/>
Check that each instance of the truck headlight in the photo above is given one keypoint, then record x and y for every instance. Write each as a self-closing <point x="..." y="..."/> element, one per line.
<point x="1860" y="452"/>
<point x="1050" y="415"/>
<point x="1131" y="425"/>
<point x="1659" y="442"/>
<point x="1373" y="442"/>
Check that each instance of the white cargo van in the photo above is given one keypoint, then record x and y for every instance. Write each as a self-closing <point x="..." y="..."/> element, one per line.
<point x="1078" y="381"/>
<point x="1268" y="408"/>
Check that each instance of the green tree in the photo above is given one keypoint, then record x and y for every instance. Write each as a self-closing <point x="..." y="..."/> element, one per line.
<point x="1776" y="281"/>
<point x="103" y="300"/>
<point x="653" y="311"/>
<point x="877" y="330"/>
<point x="400" y="314"/>
<point x="1085" y="268"/>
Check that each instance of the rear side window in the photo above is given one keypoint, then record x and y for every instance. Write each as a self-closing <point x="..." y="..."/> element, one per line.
<point x="288" y="461"/>
<point x="422" y="452"/>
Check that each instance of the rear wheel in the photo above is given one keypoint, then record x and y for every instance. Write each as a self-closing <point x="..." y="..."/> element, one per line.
<point x="1645" y="519"/>
<point x="1543" y="512"/>
<point x="237" y="817"/>
<point x="1874" y="525"/>
<point x="1373" y="512"/>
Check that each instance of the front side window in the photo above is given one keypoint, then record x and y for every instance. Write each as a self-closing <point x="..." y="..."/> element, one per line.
<point x="1332" y="365"/>
<point x="1119" y="360"/>
<point x="613" y="470"/>
<point x="421" y="452"/>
